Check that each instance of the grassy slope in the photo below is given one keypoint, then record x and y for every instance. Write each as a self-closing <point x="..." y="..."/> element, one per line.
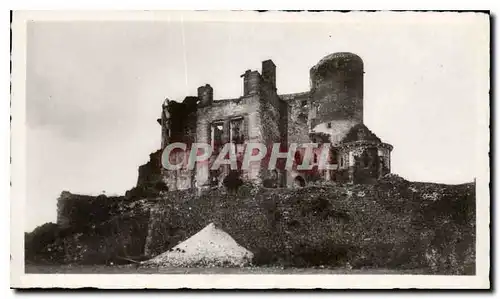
<point x="393" y="225"/>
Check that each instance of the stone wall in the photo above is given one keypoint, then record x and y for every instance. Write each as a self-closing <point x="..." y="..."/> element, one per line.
<point x="333" y="106"/>
<point x="273" y="122"/>
<point x="181" y="120"/>
<point x="179" y="124"/>
<point x="150" y="173"/>
<point x="84" y="210"/>
<point x="247" y="107"/>
<point x="337" y="129"/>
<point x="264" y="121"/>
<point x="363" y="163"/>
<point x="385" y="153"/>
<point x="178" y="179"/>
<point x="90" y="230"/>
<point x="298" y="117"/>
<point x="337" y="87"/>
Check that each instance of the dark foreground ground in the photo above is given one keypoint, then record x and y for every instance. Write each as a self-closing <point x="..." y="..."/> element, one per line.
<point x="128" y="269"/>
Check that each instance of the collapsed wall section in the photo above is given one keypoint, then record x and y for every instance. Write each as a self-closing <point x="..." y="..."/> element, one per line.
<point x="298" y="116"/>
<point x="78" y="210"/>
<point x="179" y="124"/>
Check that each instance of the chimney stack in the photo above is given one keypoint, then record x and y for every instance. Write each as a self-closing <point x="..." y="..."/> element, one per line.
<point x="251" y="82"/>
<point x="206" y="95"/>
<point x="269" y="72"/>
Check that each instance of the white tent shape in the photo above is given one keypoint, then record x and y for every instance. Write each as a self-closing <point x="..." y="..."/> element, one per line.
<point x="210" y="246"/>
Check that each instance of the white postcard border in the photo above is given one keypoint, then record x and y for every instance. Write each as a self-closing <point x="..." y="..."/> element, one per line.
<point x="118" y="281"/>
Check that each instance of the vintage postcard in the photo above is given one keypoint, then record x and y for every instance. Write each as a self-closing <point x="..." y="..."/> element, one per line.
<point x="250" y="150"/>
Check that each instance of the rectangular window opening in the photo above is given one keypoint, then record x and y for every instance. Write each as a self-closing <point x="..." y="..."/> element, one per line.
<point x="217" y="133"/>
<point x="236" y="131"/>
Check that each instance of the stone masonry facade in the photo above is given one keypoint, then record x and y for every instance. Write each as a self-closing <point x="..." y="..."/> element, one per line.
<point x="330" y="112"/>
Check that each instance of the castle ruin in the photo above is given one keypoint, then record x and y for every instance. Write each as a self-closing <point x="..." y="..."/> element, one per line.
<point x="330" y="112"/>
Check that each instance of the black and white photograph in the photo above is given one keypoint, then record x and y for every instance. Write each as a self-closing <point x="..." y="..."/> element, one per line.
<point x="250" y="150"/>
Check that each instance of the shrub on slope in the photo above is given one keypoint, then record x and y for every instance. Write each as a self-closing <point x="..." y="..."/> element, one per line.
<point x="390" y="225"/>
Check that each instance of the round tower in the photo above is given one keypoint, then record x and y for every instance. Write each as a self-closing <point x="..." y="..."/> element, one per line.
<point x="337" y="88"/>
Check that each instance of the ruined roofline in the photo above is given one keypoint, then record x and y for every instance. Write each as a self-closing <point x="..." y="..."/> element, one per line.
<point x="269" y="62"/>
<point x="351" y="144"/>
<point x="219" y="102"/>
<point x="291" y="96"/>
<point x="234" y="100"/>
<point x="336" y="56"/>
<point x="70" y="196"/>
<point x="224" y="101"/>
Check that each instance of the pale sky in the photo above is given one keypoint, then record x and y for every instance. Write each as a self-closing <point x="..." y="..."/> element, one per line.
<point x="94" y="90"/>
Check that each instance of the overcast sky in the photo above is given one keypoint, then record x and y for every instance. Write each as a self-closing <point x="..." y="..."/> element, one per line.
<point x="94" y="91"/>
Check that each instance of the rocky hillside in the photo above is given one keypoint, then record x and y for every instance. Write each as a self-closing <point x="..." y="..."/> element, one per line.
<point x="392" y="224"/>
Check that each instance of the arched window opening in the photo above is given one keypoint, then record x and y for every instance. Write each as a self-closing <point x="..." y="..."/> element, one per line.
<point x="299" y="182"/>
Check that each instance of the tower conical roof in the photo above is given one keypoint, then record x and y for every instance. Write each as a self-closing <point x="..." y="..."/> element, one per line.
<point x="360" y="132"/>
